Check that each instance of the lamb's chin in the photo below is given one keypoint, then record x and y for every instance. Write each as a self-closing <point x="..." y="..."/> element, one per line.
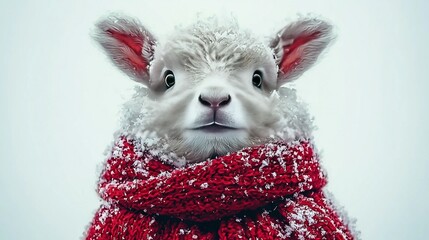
<point x="197" y="146"/>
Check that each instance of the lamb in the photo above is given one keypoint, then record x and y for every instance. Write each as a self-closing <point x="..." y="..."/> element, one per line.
<point x="213" y="100"/>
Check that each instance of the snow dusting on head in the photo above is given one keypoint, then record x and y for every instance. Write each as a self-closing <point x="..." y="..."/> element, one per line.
<point x="211" y="44"/>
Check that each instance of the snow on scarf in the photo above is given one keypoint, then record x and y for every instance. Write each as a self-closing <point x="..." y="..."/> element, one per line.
<point x="272" y="191"/>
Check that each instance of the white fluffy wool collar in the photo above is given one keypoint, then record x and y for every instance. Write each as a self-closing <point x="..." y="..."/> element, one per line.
<point x="291" y="120"/>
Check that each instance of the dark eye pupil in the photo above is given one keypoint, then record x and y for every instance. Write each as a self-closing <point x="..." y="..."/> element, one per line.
<point x="257" y="79"/>
<point x="169" y="79"/>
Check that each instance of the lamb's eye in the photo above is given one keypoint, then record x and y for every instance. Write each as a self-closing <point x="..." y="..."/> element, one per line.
<point x="169" y="79"/>
<point x="257" y="79"/>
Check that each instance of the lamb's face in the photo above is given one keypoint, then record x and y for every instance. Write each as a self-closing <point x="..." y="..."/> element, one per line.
<point x="211" y="87"/>
<point x="213" y="100"/>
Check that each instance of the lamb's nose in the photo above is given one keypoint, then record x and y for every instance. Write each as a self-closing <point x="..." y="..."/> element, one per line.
<point x="214" y="101"/>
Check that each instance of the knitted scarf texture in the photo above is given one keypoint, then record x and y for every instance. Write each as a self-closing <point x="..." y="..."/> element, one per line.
<point x="271" y="191"/>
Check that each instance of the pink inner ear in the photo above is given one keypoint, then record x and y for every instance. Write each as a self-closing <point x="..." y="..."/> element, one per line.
<point x="291" y="57"/>
<point x="135" y="45"/>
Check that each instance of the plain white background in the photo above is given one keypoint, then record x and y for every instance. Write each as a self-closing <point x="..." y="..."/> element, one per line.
<point x="60" y="100"/>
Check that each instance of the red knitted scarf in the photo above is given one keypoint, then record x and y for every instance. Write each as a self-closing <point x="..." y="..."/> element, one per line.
<point x="272" y="191"/>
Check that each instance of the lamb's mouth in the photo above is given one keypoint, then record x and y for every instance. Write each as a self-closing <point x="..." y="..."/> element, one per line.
<point x="214" y="127"/>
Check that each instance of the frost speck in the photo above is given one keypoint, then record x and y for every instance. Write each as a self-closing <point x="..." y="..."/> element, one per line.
<point x="190" y="182"/>
<point x="236" y="178"/>
<point x="264" y="164"/>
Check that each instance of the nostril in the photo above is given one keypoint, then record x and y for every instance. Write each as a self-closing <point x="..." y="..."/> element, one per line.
<point x="214" y="101"/>
<point x="204" y="101"/>
<point x="225" y="101"/>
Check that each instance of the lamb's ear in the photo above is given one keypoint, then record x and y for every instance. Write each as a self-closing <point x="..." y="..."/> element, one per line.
<point x="128" y="44"/>
<point x="298" y="45"/>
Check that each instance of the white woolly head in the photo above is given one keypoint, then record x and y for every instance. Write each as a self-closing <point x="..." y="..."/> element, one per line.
<point x="212" y="88"/>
